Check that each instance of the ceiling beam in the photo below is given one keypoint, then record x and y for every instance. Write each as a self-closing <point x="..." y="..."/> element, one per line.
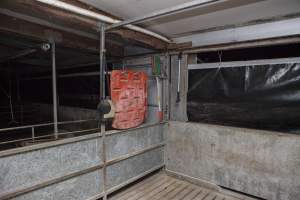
<point x="261" y="31"/>
<point x="245" y="63"/>
<point x="17" y="55"/>
<point x="99" y="17"/>
<point x="243" y="24"/>
<point x="243" y="45"/>
<point x="83" y="5"/>
<point x="56" y="16"/>
<point x="168" y="11"/>
<point x="139" y="39"/>
<point x="39" y="32"/>
<point x="77" y="9"/>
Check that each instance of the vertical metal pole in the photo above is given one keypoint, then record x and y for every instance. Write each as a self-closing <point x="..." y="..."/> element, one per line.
<point x="179" y="77"/>
<point x="32" y="133"/>
<point x="165" y="94"/>
<point x="104" y="161"/>
<point x="102" y="97"/>
<point x="54" y="89"/>
<point x="170" y="86"/>
<point x="101" y="56"/>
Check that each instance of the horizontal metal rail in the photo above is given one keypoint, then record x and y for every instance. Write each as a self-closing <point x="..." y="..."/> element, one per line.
<point x="25" y="111"/>
<point x="15" y="106"/>
<point x="52" y="181"/>
<point x="113" y="189"/>
<point x="136" y="128"/>
<point x="244" y="63"/>
<point x="35" y="138"/>
<point x="81" y="74"/>
<point x="241" y="45"/>
<point x="45" y="124"/>
<point x="126" y="156"/>
<point x="18" y="55"/>
<point x="49" y="144"/>
<point x="167" y="11"/>
<point x="48" y="136"/>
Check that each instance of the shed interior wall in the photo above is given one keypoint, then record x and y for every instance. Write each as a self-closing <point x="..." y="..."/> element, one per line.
<point x="255" y="162"/>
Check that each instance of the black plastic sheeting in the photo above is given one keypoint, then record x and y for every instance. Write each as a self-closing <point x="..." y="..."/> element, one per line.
<point x="262" y="97"/>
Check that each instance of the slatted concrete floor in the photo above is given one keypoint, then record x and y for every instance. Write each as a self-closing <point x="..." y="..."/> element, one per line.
<point x="163" y="187"/>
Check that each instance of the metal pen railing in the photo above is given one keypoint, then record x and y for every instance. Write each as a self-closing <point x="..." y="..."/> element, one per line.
<point x="34" y="126"/>
<point x="18" y="114"/>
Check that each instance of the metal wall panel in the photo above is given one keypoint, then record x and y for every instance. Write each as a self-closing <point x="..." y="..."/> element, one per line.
<point x="78" y="188"/>
<point x="121" y="172"/>
<point x="73" y="168"/>
<point x="120" y="144"/>
<point x="26" y="169"/>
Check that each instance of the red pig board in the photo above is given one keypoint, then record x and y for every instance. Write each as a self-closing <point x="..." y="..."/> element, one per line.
<point x="129" y="95"/>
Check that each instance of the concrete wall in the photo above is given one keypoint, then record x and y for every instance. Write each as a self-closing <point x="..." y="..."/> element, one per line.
<point x="33" y="166"/>
<point x="261" y="163"/>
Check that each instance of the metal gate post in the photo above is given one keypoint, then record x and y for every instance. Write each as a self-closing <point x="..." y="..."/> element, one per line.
<point x="102" y="97"/>
<point x="54" y="89"/>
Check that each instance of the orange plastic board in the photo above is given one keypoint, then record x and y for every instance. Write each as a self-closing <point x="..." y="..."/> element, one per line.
<point x="129" y="95"/>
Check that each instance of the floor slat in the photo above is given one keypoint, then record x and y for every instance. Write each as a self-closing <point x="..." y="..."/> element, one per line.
<point x="137" y="187"/>
<point x="193" y="194"/>
<point x="175" y="192"/>
<point x="184" y="193"/>
<point x="151" y="190"/>
<point x="204" y="193"/>
<point x="163" y="187"/>
<point x="159" y="190"/>
<point x="145" y="188"/>
<point x="220" y="198"/>
<point x="210" y="196"/>
<point x="164" y="192"/>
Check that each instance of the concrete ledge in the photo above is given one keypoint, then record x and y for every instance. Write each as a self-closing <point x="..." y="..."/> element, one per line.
<point x="196" y="181"/>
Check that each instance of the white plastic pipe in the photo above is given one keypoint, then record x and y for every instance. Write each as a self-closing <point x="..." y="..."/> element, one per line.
<point x="158" y="93"/>
<point x="160" y="112"/>
<point x="103" y="18"/>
